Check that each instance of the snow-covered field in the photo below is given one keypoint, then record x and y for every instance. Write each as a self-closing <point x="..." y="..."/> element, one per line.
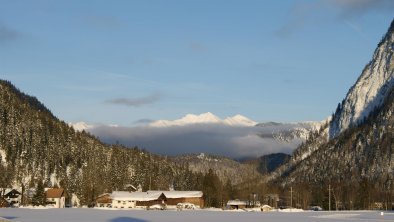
<point x="96" y="215"/>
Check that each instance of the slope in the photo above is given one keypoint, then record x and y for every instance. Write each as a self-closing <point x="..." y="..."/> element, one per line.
<point x="354" y="152"/>
<point x="35" y="146"/>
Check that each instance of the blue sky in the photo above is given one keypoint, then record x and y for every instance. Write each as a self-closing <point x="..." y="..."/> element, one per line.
<point x="118" y="62"/>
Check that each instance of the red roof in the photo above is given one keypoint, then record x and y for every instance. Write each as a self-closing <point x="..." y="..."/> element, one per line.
<point x="55" y="193"/>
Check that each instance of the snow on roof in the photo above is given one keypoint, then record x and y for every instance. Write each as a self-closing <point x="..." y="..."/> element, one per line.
<point x="180" y="194"/>
<point x="130" y="185"/>
<point x="7" y="191"/>
<point x="104" y="194"/>
<point x="136" y="196"/>
<point x="236" y="202"/>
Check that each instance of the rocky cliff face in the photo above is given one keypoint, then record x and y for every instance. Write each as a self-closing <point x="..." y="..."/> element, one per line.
<point x="370" y="90"/>
<point x="357" y="144"/>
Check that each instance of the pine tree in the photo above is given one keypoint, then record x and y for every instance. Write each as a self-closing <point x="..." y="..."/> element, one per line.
<point x="39" y="197"/>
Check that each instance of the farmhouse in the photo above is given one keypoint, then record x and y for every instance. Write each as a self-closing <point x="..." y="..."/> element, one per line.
<point x="125" y="199"/>
<point x="104" y="200"/>
<point x="13" y="197"/>
<point x="176" y="197"/>
<point x="56" y="197"/>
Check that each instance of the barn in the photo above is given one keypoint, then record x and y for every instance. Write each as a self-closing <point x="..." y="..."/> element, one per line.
<point x="104" y="200"/>
<point x="56" y="197"/>
<point x="176" y="197"/>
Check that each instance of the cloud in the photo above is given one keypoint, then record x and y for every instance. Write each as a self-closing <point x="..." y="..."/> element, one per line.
<point x="298" y="17"/>
<point x="218" y="139"/>
<point x="355" y="8"/>
<point x="303" y="14"/>
<point x="136" y="102"/>
<point x="143" y="121"/>
<point x="8" y="34"/>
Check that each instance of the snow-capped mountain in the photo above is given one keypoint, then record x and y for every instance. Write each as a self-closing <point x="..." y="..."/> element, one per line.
<point x="80" y="126"/>
<point x="357" y="144"/>
<point x="239" y="120"/>
<point x="364" y="97"/>
<point x="370" y="90"/>
<point x="204" y="118"/>
<point x="236" y="136"/>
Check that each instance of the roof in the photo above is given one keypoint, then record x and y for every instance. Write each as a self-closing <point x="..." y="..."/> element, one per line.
<point x="130" y="186"/>
<point x="55" y="193"/>
<point x="9" y="192"/>
<point x="181" y="194"/>
<point x="104" y="194"/>
<point x="236" y="202"/>
<point x="136" y="196"/>
<point x="104" y="198"/>
<point x="5" y="190"/>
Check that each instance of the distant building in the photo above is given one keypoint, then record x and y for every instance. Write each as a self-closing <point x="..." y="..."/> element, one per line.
<point x="125" y="199"/>
<point x="176" y="197"/>
<point x="56" y="197"/>
<point x="104" y="200"/>
<point x="266" y="208"/>
<point x="236" y="204"/>
<point x="12" y="196"/>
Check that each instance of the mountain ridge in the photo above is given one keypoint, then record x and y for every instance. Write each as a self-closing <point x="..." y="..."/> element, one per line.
<point x="370" y="89"/>
<point x="355" y="158"/>
<point x="204" y="118"/>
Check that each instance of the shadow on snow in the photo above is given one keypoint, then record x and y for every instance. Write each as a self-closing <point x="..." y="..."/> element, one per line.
<point x="127" y="219"/>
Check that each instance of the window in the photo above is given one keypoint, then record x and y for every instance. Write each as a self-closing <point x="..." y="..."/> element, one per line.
<point x="119" y="201"/>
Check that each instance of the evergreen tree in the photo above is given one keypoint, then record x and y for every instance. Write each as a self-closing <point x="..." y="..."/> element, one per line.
<point x="39" y="197"/>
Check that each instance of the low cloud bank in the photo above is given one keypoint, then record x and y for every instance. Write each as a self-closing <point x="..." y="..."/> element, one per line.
<point x="218" y="139"/>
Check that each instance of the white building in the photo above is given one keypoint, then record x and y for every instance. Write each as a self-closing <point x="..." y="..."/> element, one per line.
<point x="125" y="199"/>
<point x="56" y="197"/>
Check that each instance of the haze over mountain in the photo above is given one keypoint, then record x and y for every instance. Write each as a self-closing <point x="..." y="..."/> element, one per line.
<point x="235" y="137"/>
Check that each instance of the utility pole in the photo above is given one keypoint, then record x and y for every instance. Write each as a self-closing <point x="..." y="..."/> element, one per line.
<point x="329" y="197"/>
<point x="291" y="198"/>
<point x="150" y="181"/>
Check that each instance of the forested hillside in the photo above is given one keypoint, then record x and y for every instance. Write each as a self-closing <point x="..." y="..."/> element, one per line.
<point x="36" y="146"/>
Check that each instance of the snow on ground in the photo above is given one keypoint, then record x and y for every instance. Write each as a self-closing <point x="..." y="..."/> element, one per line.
<point x="95" y="215"/>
